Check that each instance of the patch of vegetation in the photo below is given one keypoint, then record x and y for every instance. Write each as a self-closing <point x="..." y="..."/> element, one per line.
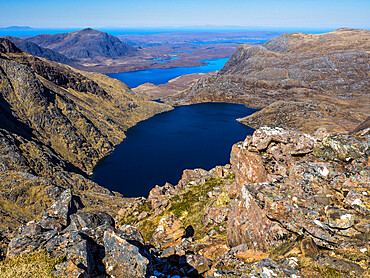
<point x="34" y="264"/>
<point x="189" y="206"/>
<point x="329" y="272"/>
<point x="192" y="203"/>
<point x="130" y="215"/>
<point x="278" y="252"/>
<point x="222" y="200"/>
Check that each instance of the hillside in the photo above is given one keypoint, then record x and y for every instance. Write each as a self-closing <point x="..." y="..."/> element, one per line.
<point x="39" y="51"/>
<point x="84" y="44"/>
<point x="56" y="124"/>
<point x="317" y="80"/>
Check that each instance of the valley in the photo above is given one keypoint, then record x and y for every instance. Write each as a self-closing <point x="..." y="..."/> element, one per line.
<point x="290" y="198"/>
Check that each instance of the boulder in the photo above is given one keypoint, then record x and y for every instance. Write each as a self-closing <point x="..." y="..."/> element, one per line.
<point x="309" y="248"/>
<point x="169" y="232"/>
<point x="131" y="233"/>
<point x="215" y="215"/>
<point x="268" y="268"/>
<point x="68" y="269"/>
<point x="62" y="208"/>
<point x="76" y="247"/>
<point x="198" y="263"/>
<point x="122" y="259"/>
<point x="342" y="266"/>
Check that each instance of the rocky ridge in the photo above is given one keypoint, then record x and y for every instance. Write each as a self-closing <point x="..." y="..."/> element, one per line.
<point x="290" y="205"/>
<point x="56" y="123"/>
<point x="316" y="80"/>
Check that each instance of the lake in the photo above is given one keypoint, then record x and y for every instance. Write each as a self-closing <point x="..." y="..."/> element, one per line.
<point x="159" y="149"/>
<point x="161" y="76"/>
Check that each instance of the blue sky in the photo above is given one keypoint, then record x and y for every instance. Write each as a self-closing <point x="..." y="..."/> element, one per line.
<point x="133" y="13"/>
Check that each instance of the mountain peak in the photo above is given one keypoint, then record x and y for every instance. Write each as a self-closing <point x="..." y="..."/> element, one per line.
<point x="85" y="44"/>
<point x="88" y="30"/>
<point x="7" y="46"/>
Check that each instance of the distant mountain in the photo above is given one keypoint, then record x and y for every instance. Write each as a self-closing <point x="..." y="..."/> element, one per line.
<point x="39" y="51"/>
<point x="84" y="44"/>
<point x="302" y="81"/>
<point x="16" y="28"/>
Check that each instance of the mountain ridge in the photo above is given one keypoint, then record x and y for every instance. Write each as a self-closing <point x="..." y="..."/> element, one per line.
<point x="84" y="44"/>
<point x="330" y="75"/>
<point x="56" y="124"/>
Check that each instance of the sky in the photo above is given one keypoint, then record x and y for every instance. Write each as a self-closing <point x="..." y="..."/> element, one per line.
<point x="172" y="13"/>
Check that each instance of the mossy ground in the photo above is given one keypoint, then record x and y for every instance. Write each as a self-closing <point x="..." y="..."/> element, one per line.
<point x="35" y="264"/>
<point x="188" y="205"/>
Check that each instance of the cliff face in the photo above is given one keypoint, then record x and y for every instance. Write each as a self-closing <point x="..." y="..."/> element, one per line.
<point x="57" y="122"/>
<point x="324" y="73"/>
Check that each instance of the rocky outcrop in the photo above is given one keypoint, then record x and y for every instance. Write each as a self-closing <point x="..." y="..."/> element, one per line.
<point x="291" y="204"/>
<point x="291" y="184"/>
<point x="88" y="241"/>
<point x="299" y="81"/>
<point x="169" y="232"/>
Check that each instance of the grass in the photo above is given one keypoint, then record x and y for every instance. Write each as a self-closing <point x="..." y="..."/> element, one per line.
<point x="188" y="205"/>
<point x="37" y="264"/>
<point x="278" y="252"/>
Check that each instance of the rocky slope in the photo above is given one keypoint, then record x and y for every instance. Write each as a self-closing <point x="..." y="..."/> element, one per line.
<point x="84" y="44"/>
<point x="56" y="124"/>
<point x="290" y="205"/>
<point x="315" y="80"/>
<point x="39" y="51"/>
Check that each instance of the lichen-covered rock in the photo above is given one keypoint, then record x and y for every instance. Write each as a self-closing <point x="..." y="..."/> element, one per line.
<point x="27" y="239"/>
<point x="160" y="195"/>
<point x="302" y="189"/>
<point x="169" y="232"/>
<point x="215" y="215"/>
<point x="347" y="268"/>
<point x="68" y="269"/>
<point x="198" y="263"/>
<point x="268" y="268"/>
<point x="131" y="233"/>
<point x="123" y="259"/>
<point x="62" y="208"/>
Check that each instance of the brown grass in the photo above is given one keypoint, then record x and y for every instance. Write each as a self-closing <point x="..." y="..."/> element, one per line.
<point x="37" y="264"/>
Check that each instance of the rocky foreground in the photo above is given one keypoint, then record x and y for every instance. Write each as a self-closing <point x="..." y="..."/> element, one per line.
<point x="290" y="205"/>
<point x="300" y="81"/>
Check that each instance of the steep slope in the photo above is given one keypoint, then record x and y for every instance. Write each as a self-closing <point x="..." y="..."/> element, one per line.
<point x="39" y="51"/>
<point x="56" y="124"/>
<point x="314" y="77"/>
<point x="84" y="44"/>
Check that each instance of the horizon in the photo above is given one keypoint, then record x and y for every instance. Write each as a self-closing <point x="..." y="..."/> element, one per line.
<point x="266" y="14"/>
<point x="19" y="31"/>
